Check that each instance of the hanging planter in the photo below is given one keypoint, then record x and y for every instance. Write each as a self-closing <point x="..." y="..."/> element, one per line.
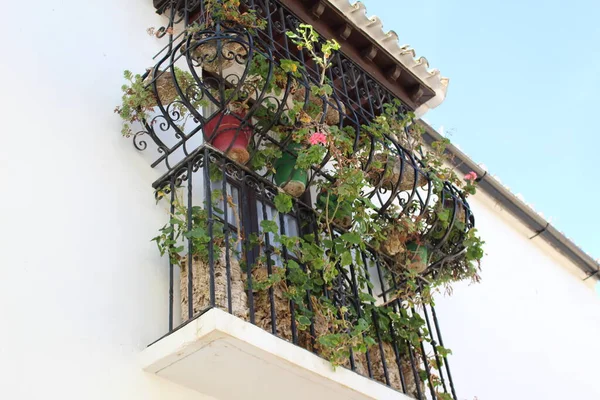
<point x="201" y="286"/>
<point x="417" y="257"/>
<point x="287" y="176"/>
<point x="165" y="87"/>
<point x="218" y="54"/>
<point x="389" y="177"/>
<point x="227" y="133"/>
<point x="461" y="214"/>
<point x="332" y="116"/>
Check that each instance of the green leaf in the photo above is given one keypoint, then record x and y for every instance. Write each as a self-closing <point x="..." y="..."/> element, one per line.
<point x="197" y="233"/>
<point x="283" y="202"/>
<point x="346" y="258"/>
<point x="366" y="297"/>
<point x="303" y="320"/>
<point x="269" y="226"/>
<point x="351" y="237"/>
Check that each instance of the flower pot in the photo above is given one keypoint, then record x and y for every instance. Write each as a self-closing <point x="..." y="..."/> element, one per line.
<point x="225" y="133"/>
<point x="332" y="116"/>
<point x="394" y="242"/>
<point x="461" y="214"/>
<point x="287" y="176"/>
<point x="389" y="177"/>
<point x="417" y="257"/>
<point x="201" y="286"/>
<point x="165" y="86"/>
<point x="343" y="212"/>
<point x="212" y="61"/>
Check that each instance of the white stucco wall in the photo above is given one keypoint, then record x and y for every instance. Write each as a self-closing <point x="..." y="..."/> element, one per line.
<point x="530" y="329"/>
<point x="82" y="290"/>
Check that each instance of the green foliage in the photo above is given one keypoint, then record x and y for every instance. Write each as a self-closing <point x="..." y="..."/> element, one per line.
<point x="139" y="98"/>
<point x="283" y="202"/>
<point x="228" y="11"/>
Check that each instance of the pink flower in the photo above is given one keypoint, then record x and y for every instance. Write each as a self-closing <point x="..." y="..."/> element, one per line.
<point x="471" y="176"/>
<point x="317" y="138"/>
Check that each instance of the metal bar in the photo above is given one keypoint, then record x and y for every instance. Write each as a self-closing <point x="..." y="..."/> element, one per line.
<point x="439" y="335"/>
<point x="171" y="236"/>
<point x="226" y="233"/>
<point x="209" y="212"/>
<point x="190" y="259"/>
<point x="269" y="266"/>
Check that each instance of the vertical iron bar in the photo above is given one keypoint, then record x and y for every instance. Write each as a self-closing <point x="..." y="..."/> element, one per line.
<point x="190" y="259"/>
<point x="171" y="236"/>
<point x="426" y="363"/>
<point x="435" y="352"/>
<point x="439" y="335"/>
<point x="249" y="253"/>
<point x="209" y="212"/>
<point x="269" y="266"/>
<point x="392" y="333"/>
<point x="226" y="234"/>
<point x="285" y="259"/>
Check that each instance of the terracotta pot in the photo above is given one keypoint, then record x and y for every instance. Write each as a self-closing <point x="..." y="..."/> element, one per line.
<point x="287" y="176"/>
<point x="389" y="175"/>
<point x="165" y="86"/>
<point x="332" y="116"/>
<point x="225" y="133"/>
<point x="206" y="54"/>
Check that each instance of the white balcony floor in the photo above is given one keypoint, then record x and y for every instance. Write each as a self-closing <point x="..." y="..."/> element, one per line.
<point x="225" y="357"/>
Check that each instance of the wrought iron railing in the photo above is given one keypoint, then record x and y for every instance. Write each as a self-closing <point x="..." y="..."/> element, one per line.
<point x="231" y="274"/>
<point x="206" y="68"/>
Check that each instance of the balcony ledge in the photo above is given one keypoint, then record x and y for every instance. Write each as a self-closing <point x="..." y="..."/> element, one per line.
<point x="225" y="357"/>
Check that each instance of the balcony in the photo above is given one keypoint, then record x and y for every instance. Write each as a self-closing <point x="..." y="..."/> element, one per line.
<point x="308" y="226"/>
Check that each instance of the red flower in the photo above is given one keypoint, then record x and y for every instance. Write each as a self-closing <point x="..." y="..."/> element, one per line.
<point x="317" y="138"/>
<point x="471" y="176"/>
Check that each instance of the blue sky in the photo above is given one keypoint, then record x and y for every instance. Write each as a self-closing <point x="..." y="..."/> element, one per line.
<point x="523" y="96"/>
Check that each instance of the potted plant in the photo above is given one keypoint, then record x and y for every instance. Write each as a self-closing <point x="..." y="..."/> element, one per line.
<point x="310" y="141"/>
<point x="139" y="97"/>
<point x="172" y="240"/>
<point x="389" y="159"/>
<point x="287" y="175"/>
<point x="229" y="132"/>
<point x="395" y="172"/>
<point x="318" y="96"/>
<point x="214" y="55"/>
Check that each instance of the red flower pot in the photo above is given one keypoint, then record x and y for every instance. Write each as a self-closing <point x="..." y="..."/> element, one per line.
<point x="225" y="133"/>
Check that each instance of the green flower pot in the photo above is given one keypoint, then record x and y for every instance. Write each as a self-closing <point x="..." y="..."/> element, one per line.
<point x="287" y="176"/>
<point x="418" y="257"/>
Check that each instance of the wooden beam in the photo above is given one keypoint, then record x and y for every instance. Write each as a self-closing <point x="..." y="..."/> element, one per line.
<point x="416" y="92"/>
<point x="394" y="72"/>
<point x="318" y="9"/>
<point x="369" y="52"/>
<point x="345" y="31"/>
